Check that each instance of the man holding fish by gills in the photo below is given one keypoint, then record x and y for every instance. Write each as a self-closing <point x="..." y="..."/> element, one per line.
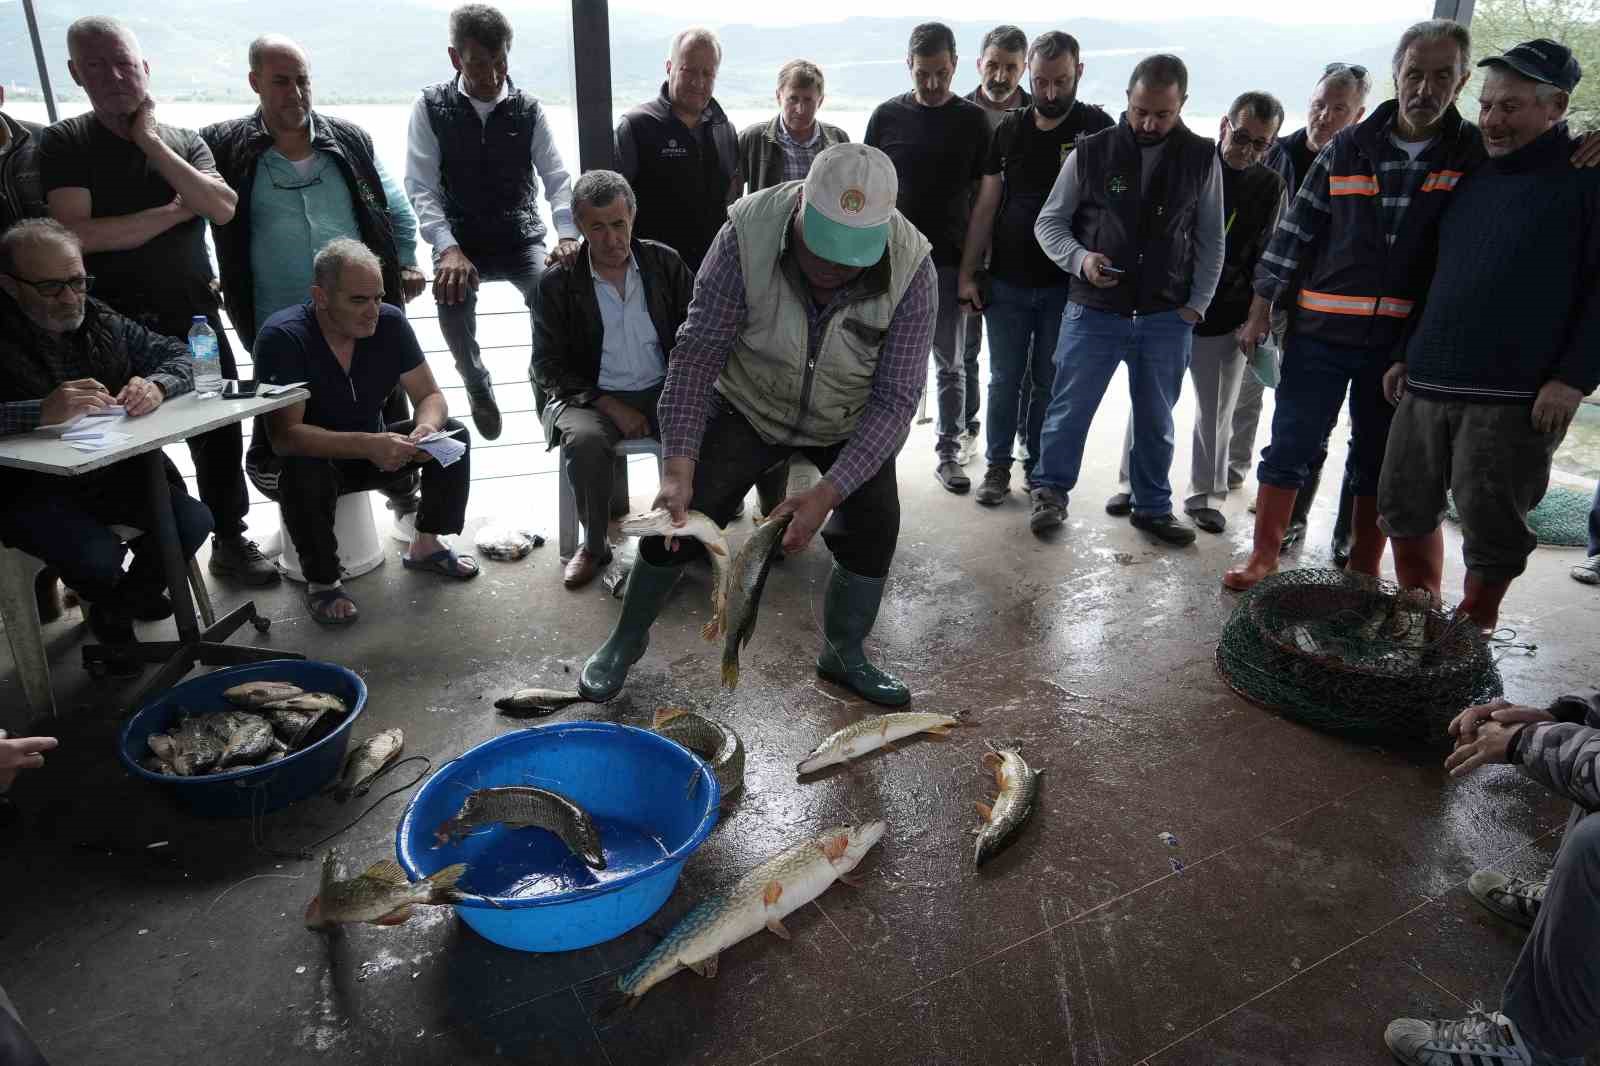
<point x="808" y="331"/>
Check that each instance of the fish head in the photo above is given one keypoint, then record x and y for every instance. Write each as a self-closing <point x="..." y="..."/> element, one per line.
<point x="845" y="847"/>
<point x="591" y="854"/>
<point x="643" y="523"/>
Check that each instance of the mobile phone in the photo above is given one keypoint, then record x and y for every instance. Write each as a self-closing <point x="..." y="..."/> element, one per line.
<point x="1107" y="268"/>
<point x="239" y="389"/>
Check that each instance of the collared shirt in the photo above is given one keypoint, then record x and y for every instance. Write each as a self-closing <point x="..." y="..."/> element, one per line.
<point x="631" y="359"/>
<point x="296" y="207"/>
<point x="422" y="172"/>
<point x="797" y="157"/>
<point x="706" y="340"/>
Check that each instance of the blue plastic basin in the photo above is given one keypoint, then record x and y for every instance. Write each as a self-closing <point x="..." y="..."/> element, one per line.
<point x="249" y="789"/>
<point x="653" y="802"/>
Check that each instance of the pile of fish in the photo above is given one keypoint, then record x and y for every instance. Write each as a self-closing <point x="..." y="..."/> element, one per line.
<point x="526" y="807"/>
<point x="269" y="721"/>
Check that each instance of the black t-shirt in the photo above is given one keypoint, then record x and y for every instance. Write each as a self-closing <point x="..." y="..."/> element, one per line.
<point x="168" y="275"/>
<point x="937" y="153"/>
<point x="1031" y="159"/>
<point x="291" y="347"/>
<point x="1302" y="155"/>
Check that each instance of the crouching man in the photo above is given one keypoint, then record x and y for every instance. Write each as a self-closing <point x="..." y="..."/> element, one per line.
<point x="350" y="348"/>
<point x="808" y="331"/>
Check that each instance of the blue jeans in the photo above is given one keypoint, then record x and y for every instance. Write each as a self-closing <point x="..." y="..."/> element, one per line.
<point x="1024" y="323"/>
<point x="1594" y="523"/>
<point x="1316" y="376"/>
<point x="1092" y="343"/>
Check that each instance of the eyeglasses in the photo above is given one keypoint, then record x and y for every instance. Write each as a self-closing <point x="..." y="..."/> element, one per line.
<point x="53" y="287"/>
<point x="1241" y="137"/>
<point x="1356" y="70"/>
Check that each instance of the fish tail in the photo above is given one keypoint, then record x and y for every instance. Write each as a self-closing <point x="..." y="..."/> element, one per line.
<point x="613" y="1002"/>
<point x="666" y="714"/>
<point x="730" y="672"/>
<point x="443" y="884"/>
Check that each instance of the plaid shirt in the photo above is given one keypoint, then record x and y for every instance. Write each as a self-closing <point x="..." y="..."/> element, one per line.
<point x="797" y="157"/>
<point x="706" y="340"/>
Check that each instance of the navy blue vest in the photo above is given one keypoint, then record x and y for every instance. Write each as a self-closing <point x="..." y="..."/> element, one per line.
<point x="486" y="169"/>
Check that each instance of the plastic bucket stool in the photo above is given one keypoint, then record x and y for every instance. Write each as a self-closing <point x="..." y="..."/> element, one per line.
<point x="360" y="549"/>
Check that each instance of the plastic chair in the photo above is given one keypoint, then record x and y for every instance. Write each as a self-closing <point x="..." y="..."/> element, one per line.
<point x="360" y="549"/>
<point x="568" y="500"/>
<point x="19" y="611"/>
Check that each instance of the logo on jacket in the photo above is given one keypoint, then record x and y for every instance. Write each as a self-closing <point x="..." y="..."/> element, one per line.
<point x="1116" y="186"/>
<point x="673" y="148"/>
<point x="853" y="201"/>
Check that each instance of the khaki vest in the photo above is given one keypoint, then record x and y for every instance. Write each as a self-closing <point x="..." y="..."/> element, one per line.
<point x="788" y="397"/>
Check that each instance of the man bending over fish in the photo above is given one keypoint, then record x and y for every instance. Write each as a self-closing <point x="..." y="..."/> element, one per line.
<point x="808" y="332"/>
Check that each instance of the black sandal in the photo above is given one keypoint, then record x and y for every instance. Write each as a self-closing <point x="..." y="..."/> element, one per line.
<point x="320" y="604"/>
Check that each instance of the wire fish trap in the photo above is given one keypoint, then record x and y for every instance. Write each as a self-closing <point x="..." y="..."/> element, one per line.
<point x="1355" y="656"/>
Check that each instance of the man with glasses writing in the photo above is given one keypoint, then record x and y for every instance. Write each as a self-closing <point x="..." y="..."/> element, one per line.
<point x="63" y="355"/>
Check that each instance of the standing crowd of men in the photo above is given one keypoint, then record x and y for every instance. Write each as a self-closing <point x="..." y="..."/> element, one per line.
<point x="748" y="295"/>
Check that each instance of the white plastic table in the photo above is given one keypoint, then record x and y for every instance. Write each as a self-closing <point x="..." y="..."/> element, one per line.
<point x="176" y="420"/>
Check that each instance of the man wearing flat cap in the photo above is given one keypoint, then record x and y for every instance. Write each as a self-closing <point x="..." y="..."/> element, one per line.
<point x="1508" y="339"/>
<point x="808" y="332"/>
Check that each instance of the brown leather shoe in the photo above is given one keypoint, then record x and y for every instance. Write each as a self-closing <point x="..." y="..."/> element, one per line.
<point x="582" y="568"/>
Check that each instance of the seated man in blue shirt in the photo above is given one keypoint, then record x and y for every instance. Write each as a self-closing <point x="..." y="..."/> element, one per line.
<point x="351" y="349"/>
<point x="64" y="355"/>
<point x="604" y="323"/>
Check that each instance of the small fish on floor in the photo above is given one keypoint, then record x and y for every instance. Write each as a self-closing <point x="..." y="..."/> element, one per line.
<point x="1019" y="787"/>
<point x="535" y="702"/>
<point x="380" y="895"/>
<point x="365" y="761"/>
<point x="526" y="807"/>
<point x="870" y="734"/>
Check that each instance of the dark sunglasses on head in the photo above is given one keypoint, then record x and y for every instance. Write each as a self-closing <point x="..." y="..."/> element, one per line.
<point x="1356" y="70"/>
<point x="53" y="287"/>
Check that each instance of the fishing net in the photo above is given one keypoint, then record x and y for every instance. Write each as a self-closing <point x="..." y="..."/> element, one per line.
<point x="1560" y="521"/>
<point x="1355" y="657"/>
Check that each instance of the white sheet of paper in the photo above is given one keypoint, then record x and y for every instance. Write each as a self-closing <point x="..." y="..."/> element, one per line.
<point x="273" y="390"/>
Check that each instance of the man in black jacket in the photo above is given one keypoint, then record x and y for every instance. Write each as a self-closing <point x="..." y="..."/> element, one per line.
<point x="604" y="327"/>
<point x="1484" y="395"/>
<point x="20" y="196"/>
<point x="680" y="153"/>
<point x="1252" y="198"/>
<point x="780" y="150"/>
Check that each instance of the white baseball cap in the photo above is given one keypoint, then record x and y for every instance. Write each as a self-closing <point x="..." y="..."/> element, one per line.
<point x="850" y="197"/>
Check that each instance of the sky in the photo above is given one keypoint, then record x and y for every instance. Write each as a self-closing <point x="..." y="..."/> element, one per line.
<point x="719" y="12"/>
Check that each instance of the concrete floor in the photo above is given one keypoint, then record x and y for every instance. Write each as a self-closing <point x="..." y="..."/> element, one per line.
<point x="1321" y="889"/>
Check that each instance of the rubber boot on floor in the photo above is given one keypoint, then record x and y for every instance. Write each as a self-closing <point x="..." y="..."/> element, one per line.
<point x="607" y="669"/>
<point x="1366" y="550"/>
<point x="1480" y="601"/>
<point x="1341" y="525"/>
<point x="1274" y="506"/>
<point x="1302" y="509"/>
<point x="848" y="612"/>
<point x="1419" y="561"/>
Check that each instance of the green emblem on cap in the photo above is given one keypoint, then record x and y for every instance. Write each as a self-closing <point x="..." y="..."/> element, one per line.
<point x="853" y="201"/>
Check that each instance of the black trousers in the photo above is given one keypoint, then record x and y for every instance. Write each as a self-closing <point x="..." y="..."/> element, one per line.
<point x="218" y="455"/>
<point x="861" y="534"/>
<point x="308" y="489"/>
<point x="587" y="440"/>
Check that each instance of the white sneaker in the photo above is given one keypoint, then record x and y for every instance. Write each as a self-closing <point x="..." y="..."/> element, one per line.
<point x="1511" y="898"/>
<point x="1481" y="1038"/>
<point x="1588" y="571"/>
<point x="966" y="448"/>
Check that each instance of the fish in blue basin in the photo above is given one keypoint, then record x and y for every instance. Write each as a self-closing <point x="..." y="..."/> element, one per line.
<point x="526" y="807"/>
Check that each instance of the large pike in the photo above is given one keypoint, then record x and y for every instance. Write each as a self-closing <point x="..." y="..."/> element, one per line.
<point x="714" y="742"/>
<point x="1019" y="786"/>
<point x="870" y="734"/>
<point x="701" y="528"/>
<point x="745" y="582"/>
<point x="525" y="807"/>
<point x="381" y="895"/>
<point x="761" y="899"/>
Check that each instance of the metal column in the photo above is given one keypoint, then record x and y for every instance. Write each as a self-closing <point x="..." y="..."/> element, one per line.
<point x="591" y="82"/>
<point x="38" y="58"/>
<point x="1459" y="10"/>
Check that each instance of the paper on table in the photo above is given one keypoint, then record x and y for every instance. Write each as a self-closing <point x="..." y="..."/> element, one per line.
<point x="273" y="390"/>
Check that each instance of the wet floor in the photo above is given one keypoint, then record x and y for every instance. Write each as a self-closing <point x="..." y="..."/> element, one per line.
<point x="1202" y="882"/>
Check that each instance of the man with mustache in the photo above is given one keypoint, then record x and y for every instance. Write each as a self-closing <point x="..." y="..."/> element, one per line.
<point x="1349" y="252"/>
<point x="1135" y="219"/>
<point x="1485" y="394"/>
<point x="1026" y="291"/>
<point x="1338" y="100"/>
<point x="138" y="194"/>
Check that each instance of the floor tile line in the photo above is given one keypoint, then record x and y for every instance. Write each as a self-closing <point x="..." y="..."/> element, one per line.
<point x="589" y="1022"/>
<point x="1088" y="994"/>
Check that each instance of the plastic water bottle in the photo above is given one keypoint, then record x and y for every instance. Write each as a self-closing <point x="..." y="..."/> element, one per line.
<point x="207" y="359"/>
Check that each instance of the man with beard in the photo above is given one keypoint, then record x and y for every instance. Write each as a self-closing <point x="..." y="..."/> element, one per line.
<point x="1339" y="99"/>
<point x="1026" y="291"/>
<point x="63" y="354"/>
<point x="138" y="194"/>
<point x="1135" y="219"/>
<point x="937" y="142"/>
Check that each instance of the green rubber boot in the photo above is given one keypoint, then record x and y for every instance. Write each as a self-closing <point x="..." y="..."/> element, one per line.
<point x="607" y="669"/>
<point x="847" y="616"/>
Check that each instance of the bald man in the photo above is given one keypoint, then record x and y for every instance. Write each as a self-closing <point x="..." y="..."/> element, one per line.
<point x="138" y="194"/>
<point x="304" y="178"/>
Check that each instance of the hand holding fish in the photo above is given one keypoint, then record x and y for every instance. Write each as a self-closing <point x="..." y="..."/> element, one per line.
<point x="810" y="509"/>
<point x="677" y="490"/>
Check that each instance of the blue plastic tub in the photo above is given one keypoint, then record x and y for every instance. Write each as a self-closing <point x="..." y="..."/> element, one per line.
<point x="250" y="789"/>
<point x="653" y="802"/>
